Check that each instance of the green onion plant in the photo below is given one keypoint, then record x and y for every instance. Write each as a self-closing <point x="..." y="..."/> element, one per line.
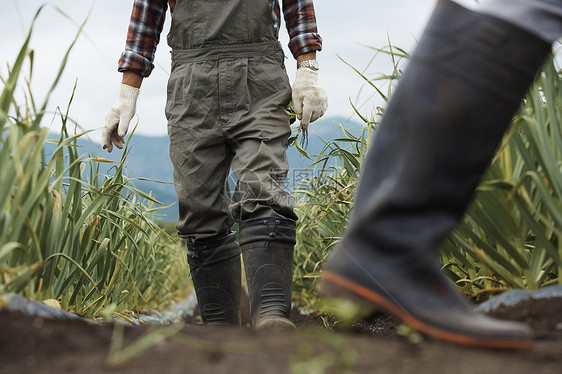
<point x="68" y="231"/>
<point x="510" y="237"/>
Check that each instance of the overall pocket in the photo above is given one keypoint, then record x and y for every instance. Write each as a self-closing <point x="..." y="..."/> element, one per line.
<point x="220" y="20"/>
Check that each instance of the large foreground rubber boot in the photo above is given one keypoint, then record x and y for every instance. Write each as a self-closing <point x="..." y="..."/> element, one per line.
<point x="267" y="248"/>
<point x="217" y="275"/>
<point x="452" y="105"/>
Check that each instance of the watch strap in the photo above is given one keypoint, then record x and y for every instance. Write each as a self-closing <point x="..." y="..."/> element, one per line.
<point x="308" y="64"/>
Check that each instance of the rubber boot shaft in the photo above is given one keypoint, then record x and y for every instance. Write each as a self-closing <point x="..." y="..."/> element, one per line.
<point x="441" y="127"/>
<point x="216" y="274"/>
<point x="267" y="248"/>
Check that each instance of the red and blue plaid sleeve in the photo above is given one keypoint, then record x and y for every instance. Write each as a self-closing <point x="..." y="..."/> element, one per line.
<point x="300" y="20"/>
<point x="147" y="21"/>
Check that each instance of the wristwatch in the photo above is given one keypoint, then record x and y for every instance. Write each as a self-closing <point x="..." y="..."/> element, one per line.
<point x="310" y="64"/>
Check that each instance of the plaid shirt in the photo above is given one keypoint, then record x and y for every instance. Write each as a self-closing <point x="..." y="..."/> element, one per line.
<point x="147" y="21"/>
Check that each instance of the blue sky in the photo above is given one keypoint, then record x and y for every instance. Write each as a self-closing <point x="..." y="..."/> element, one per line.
<point x="93" y="61"/>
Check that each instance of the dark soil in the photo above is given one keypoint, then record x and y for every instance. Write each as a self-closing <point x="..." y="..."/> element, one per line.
<point x="34" y="345"/>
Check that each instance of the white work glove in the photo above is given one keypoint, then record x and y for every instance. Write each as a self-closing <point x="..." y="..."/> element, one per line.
<point x="309" y="99"/>
<point x="118" y="119"/>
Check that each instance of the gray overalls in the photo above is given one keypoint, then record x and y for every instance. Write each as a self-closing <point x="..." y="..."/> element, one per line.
<point x="227" y="97"/>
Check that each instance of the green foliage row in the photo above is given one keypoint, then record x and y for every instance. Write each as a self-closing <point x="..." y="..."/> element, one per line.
<point x="511" y="235"/>
<point x="326" y="200"/>
<point x="67" y="232"/>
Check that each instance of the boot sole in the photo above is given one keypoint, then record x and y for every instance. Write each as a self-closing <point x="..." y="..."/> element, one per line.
<point x="334" y="285"/>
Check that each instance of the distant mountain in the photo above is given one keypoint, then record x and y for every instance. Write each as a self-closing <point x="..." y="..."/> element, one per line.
<point x="149" y="159"/>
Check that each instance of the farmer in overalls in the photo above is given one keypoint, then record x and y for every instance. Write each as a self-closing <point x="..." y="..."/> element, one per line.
<point x="228" y="93"/>
<point x="446" y="117"/>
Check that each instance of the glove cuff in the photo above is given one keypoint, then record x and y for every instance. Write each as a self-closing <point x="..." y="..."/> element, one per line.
<point x="128" y="94"/>
<point x="307" y="76"/>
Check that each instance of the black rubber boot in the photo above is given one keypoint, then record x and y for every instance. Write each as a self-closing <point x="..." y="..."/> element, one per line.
<point x="217" y="275"/>
<point x="267" y="247"/>
<point x="451" y="107"/>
